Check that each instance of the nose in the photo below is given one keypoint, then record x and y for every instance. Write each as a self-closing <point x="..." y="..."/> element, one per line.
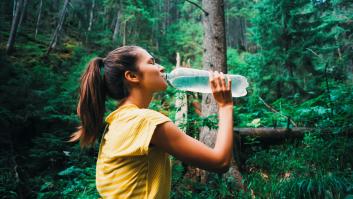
<point x="161" y="69"/>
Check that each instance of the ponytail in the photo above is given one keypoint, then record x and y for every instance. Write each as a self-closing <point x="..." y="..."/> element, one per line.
<point x="95" y="87"/>
<point x="91" y="105"/>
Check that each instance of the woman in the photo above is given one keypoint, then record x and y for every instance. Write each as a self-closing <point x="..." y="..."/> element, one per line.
<point x="133" y="159"/>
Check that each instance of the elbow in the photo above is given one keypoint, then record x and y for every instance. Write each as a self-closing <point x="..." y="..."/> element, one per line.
<point x="223" y="167"/>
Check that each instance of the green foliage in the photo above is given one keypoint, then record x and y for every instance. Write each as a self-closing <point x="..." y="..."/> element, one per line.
<point x="316" y="168"/>
<point x="185" y="37"/>
<point x="73" y="182"/>
<point x="296" y="44"/>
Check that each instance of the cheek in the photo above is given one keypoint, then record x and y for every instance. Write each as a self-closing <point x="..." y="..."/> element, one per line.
<point x="158" y="83"/>
<point x="165" y="85"/>
<point x="153" y="80"/>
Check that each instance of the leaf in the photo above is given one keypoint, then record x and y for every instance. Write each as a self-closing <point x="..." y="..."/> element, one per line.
<point x="255" y="123"/>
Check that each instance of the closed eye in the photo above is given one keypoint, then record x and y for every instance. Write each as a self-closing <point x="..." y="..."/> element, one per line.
<point x="152" y="61"/>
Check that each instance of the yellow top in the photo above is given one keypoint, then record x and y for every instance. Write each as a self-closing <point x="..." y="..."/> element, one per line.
<point x="127" y="167"/>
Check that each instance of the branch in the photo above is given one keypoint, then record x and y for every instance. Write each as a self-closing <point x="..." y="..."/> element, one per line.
<point x="313" y="52"/>
<point x="197" y="5"/>
<point x="275" y="111"/>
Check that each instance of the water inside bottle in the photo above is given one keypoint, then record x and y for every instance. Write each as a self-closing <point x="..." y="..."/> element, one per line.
<point x="194" y="84"/>
<point x="201" y="84"/>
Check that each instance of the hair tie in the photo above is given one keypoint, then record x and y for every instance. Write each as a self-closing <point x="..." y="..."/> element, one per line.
<point x="100" y="62"/>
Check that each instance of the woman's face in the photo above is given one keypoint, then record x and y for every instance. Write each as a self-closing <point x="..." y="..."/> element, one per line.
<point x="150" y="73"/>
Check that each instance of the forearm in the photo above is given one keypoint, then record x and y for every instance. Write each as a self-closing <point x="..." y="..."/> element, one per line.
<point x="224" y="141"/>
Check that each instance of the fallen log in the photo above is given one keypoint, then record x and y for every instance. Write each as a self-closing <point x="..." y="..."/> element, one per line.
<point x="278" y="133"/>
<point x="281" y="133"/>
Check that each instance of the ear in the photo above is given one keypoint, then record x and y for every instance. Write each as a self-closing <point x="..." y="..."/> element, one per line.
<point x="131" y="77"/>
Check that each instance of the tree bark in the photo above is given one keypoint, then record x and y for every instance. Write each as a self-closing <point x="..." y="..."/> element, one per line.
<point x="14" y="27"/>
<point x="236" y="32"/>
<point x="117" y="22"/>
<point x="38" y="18"/>
<point x="91" y="16"/>
<point x="214" y="58"/>
<point x="124" y="34"/>
<point x="14" y="8"/>
<point x="24" y="7"/>
<point x="58" y="27"/>
<point x="166" y="15"/>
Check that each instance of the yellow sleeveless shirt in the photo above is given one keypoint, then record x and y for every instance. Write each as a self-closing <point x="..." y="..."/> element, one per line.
<point x="127" y="167"/>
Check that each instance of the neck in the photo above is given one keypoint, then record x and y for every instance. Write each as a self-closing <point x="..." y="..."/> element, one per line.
<point x="139" y="98"/>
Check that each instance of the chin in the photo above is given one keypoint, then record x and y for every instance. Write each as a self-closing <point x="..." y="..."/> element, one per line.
<point x="164" y="87"/>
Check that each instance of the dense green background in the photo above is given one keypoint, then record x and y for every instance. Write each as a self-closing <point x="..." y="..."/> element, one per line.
<point x="298" y="58"/>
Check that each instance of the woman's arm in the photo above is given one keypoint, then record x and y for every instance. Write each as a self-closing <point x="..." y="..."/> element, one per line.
<point x="172" y="140"/>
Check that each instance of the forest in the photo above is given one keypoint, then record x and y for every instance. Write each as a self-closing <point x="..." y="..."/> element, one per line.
<point x="293" y="137"/>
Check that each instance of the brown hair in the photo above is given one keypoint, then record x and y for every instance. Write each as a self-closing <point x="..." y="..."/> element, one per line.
<point x="95" y="87"/>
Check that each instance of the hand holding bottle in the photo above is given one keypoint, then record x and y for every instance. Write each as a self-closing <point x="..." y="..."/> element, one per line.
<point x="221" y="88"/>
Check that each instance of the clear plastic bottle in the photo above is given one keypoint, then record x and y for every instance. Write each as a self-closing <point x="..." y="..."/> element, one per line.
<point x="189" y="79"/>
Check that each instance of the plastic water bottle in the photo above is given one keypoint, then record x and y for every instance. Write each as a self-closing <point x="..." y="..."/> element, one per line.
<point x="189" y="79"/>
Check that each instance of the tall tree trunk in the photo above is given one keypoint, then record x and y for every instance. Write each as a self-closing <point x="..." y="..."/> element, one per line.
<point x="93" y="4"/>
<point x="154" y="29"/>
<point x="227" y="29"/>
<point x="58" y="27"/>
<point x="124" y="34"/>
<point x="160" y="10"/>
<point x="244" y="38"/>
<point x="117" y="23"/>
<point x="14" y="27"/>
<point x="91" y="16"/>
<point x="14" y="8"/>
<point x="166" y="15"/>
<point x="237" y="33"/>
<point x="38" y="18"/>
<point x="24" y="7"/>
<point x="214" y="58"/>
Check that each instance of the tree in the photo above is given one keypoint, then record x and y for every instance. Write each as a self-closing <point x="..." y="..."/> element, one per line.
<point x="307" y="38"/>
<point x="56" y="33"/>
<point x="15" y="24"/>
<point x="237" y="13"/>
<point x="91" y="16"/>
<point x="38" y="18"/>
<point x="214" y="58"/>
<point x="117" y="21"/>
<point x="24" y="7"/>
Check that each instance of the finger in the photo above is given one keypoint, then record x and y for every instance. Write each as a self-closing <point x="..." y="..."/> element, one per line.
<point x="223" y="81"/>
<point x="229" y="86"/>
<point x="217" y="79"/>
<point x="212" y="80"/>
<point x="210" y="76"/>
